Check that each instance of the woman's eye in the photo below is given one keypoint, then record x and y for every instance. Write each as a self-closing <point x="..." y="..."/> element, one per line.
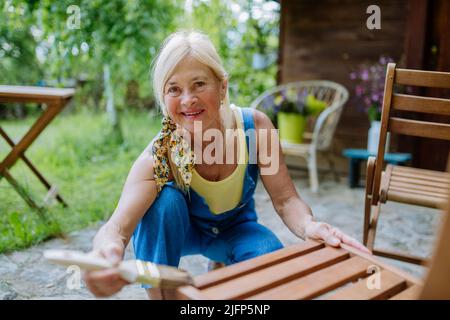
<point x="200" y="83"/>
<point x="173" y="90"/>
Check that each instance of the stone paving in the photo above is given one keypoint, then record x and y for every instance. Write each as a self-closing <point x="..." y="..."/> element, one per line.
<point x="26" y="275"/>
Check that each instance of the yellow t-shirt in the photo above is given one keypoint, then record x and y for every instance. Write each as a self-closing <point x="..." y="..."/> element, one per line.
<point x="225" y="195"/>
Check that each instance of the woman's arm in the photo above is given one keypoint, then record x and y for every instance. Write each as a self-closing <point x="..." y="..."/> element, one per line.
<point x="294" y="212"/>
<point x="138" y="194"/>
<point x="110" y="242"/>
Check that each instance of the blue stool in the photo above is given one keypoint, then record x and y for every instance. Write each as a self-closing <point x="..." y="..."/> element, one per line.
<point x="358" y="155"/>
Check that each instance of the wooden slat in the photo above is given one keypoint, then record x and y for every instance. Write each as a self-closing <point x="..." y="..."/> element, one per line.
<point x="390" y="284"/>
<point x="414" y="192"/>
<point x="36" y="93"/>
<point x="437" y="176"/>
<point x="419" y="128"/>
<point x="421" y="200"/>
<point x="189" y="292"/>
<point x="278" y="274"/>
<point x="399" y="169"/>
<point x="433" y="79"/>
<point x="421" y="181"/>
<point x="319" y="282"/>
<point x="411" y="293"/>
<point x="258" y="263"/>
<point x="418" y="188"/>
<point x="441" y="182"/>
<point x="421" y="104"/>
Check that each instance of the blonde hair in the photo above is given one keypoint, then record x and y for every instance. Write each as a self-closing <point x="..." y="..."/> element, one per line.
<point x="174" y="49"/>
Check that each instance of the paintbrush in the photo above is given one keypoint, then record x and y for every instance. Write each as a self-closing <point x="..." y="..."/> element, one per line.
<point x="133" y="271"/>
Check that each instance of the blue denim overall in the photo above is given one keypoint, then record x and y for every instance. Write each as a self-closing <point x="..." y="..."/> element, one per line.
<point x="177" y="224"/>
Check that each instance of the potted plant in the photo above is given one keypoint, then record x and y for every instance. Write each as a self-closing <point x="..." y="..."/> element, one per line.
<point x="289" y="111"/>
<point x="369" y="90"/>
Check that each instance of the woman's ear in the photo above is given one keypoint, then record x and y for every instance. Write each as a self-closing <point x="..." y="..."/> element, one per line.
<point x="223" y="88"/>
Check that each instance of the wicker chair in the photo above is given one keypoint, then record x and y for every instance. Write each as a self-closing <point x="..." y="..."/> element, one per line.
<point x="335" y="95"/>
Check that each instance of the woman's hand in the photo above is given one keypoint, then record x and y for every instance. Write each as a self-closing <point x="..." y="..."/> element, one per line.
<point x="105" y="283"/>
<point x="331" y="235"/>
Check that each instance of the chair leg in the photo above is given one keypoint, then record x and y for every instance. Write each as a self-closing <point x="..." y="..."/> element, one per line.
<point x="373" y="228"/>
<point x="332" y="167"/>
<point x="401" y="257"/>
<point x="367" y="216"/>
<point x="368" y="198"/>
<point x="313" y="175"/>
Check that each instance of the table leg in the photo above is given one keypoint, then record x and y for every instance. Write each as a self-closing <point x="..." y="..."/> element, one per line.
<point x="32" y="167"/>
<point x="30" y="136"/>
<point x="21" y="192"/>
<point x="354" y="173"/>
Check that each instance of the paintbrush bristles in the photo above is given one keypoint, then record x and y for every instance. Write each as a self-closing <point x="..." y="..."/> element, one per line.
<point x="172" y="277"/>
<point x="158" y="276"/>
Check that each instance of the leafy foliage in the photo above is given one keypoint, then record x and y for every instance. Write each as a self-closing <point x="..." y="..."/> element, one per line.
<point x="86" y="166"/>
<point x="39" y="43"/>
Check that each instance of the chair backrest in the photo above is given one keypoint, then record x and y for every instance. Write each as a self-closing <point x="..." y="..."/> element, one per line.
<point x="332" y="93"/>
<point x="437" y="280"/>
<point x="401" y="124"/>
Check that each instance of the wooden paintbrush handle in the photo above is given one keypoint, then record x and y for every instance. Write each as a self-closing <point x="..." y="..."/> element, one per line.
<point x="83" y="260"/>
<point x="130" y="270"/>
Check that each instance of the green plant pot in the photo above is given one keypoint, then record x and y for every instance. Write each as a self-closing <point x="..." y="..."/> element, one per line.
<point x="291" y="127"/>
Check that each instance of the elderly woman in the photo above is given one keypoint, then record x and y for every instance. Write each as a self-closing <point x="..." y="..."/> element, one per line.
<point x="176" y="201"/>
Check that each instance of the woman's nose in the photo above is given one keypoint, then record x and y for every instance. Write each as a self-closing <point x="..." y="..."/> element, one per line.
<point x="188" y="98"/>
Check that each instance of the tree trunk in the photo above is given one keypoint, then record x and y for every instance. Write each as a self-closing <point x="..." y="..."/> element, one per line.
<point x="110" y="107"/>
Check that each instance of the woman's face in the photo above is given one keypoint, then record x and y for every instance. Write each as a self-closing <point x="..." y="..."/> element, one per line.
<point x="193" y="93"/>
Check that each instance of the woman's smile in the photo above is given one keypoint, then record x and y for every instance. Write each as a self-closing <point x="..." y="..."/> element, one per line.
<point x="193" y="114"/>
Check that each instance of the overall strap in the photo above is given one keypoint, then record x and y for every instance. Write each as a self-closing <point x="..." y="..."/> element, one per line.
<point x="249" y="128"/>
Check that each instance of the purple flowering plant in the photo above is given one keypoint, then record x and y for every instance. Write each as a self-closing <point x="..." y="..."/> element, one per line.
<point x="369" y="88"/>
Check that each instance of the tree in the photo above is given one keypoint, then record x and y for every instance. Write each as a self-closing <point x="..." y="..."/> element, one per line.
<point x="116" y="38"/>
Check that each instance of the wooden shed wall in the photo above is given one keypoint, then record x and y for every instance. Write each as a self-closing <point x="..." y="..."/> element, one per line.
<point x="327" y="39"/>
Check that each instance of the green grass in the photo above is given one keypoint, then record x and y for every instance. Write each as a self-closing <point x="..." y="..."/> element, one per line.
<point x="76" y="153"/>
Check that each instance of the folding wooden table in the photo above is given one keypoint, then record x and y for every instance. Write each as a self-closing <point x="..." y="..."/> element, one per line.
<point x="55" y="100"/>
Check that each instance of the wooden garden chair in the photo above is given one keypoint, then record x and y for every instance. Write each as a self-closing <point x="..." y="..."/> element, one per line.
<point x="405" y="184"/>
<point x="335" y="96"/>
<point x="311" y="270"/>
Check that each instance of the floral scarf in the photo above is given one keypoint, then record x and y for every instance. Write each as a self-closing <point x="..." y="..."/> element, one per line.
<point x="169" y="140"/>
